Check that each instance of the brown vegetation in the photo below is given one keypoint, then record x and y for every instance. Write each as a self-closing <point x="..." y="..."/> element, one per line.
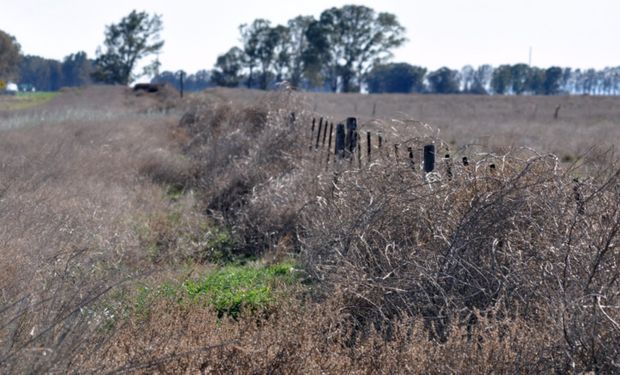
<point x="505" y="270"/>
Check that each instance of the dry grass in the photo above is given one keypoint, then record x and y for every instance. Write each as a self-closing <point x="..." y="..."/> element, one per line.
<point x="511" y="270"/>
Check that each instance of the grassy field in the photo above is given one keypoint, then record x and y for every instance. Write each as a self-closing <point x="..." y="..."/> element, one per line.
<point x="148" y="234"/>
<point x="25" y="100"/>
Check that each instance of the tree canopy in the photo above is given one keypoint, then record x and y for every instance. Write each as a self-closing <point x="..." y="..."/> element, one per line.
<point x="9" y="56"/>
<point x="135" y="37"/>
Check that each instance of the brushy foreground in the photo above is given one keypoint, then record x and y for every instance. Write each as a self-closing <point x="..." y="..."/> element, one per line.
<point x="336" y="267"/>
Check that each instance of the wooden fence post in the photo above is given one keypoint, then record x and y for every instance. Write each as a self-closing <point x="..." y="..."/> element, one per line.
<point x="369" y="146"/>
<point x="181" y="83"/>
<point x="429" y="158"/>
<point x="448" y="161"/>
<point x="359" y="148"/>
<point x="351" y="136"/>
<point x="312" y="132"/>
<point x="329" y="143"/>
<point x="318" y="135"/>
<point x="396" y="151"/>
<point x="411" y="160"/>
<point x="340" y="141"/>
<point x="465" y="161"/>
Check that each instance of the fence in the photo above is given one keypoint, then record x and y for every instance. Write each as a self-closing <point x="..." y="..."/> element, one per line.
<point x="344" y="141"/>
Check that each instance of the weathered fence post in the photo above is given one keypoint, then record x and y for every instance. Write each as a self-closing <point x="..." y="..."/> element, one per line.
<point x="340" y="141"/>
<point x="448" y="161"/>
<point x="292" y="119"/>
<point x="359" y="148"/>
<point x="396" y="151"/>
<point x="318" y="135"/>
<point x="351" y="136"/>
<point x="329" y="144"/>
<point x="411" y="160"/>
<point x="324" y="134"/>
<point x="369" y="146"/>
<point x="465" y="161"/>
<point x="312" y="132"/>
<point x="429" y="158"/>
<point x="181" y="83"/>
<point x="380" y="140"/>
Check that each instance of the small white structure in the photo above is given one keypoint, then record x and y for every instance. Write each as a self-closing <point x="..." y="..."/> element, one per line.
<point x="12" y="87"/>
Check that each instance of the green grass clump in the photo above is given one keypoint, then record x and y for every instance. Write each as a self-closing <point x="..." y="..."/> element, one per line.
<point x="233" y="289"/>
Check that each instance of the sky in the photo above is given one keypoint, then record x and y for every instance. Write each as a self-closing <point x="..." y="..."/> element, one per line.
<point x="453" y="33"/>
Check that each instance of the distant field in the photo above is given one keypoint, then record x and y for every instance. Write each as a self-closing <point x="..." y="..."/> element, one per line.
<point x="496" y="122"/>
<point x="24" y="100"/>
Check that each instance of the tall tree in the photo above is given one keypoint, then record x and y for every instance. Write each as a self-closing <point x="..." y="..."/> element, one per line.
<point x="502" y="79"/>
<point x="253" y="37"/>
<point x="9" y="56"/>
<point x="135" y="37"/>
<point x="519" y="74"/>
<point x="481" y="80"/>
<point x="444" y="81"/>
<point x="297" y="29"/>
<point x="40" y="73"/>
<point x="348" y="41"/>
<point x="228" y="68"/>
<point x="76" y="70"/>
<point x="553" y="78"/>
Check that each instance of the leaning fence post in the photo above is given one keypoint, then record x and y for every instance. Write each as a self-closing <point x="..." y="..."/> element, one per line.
<point x="351" y="136"/>
<point x="340" y="141"/>
<point x="329" y="143"/>
<point x="429" y="158"/>
<point x="318" y="135"/>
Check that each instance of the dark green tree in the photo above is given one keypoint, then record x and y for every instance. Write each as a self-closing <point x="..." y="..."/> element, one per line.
<point x="444" y="81"/>
<point x="228" y="68"/>
<point x="40" y="73"/>
<point x="553" y="79"/>
<point x="481" y="80"/>
<point x="519" y="74"/>
<point x="396" y="78"/>
<point x="346" y="42"/>
<point x="536" y="81"/>
<point x="297" y="29"/>
<point x="502" y="79"/>
<point x="76" y="70"/>
<point x="9" y="56"/>
<point x="135" y="37"/>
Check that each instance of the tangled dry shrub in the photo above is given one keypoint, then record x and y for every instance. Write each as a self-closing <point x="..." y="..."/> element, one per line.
<point x="301" y="336"/>
<point x="247" y="160"/>
<point x="522" y="240"/>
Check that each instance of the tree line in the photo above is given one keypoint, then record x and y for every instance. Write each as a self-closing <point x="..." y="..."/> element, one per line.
<point x="346" y="49"/>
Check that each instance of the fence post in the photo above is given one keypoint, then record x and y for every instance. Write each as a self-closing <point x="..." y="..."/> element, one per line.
<point x="329" y="144"/>
<point x="448" y="166"/>
<point x="312" y="132"/>
<point x="181" y="83"/>
<point x="396" y="151"/>
<point x="429" y="158"/>
<point x="318" y="135"/>
<point x="359" y="148"/>
<point x="465" y="161"/>
<point x="351" y="136"/>
<point x="369" y="146"/>
<point x="411" y="160"/>
<point x="292" y="119"/>
<point x="324" y="134"/>
<point x="340" y="141"/>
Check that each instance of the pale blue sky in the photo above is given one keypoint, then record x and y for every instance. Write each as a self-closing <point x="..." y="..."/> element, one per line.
<point x="575" y="33"/>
